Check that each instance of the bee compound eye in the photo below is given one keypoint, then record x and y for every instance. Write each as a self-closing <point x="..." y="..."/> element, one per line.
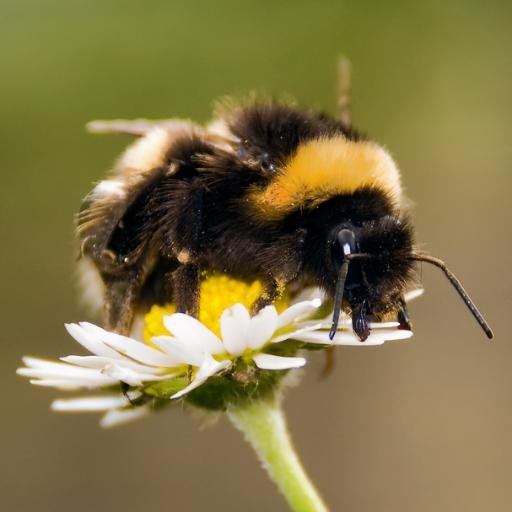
<point x="342" y="243"/>
<point x="346" y="240"/>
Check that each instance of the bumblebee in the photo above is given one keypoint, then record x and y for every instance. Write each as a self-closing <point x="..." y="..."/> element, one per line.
<point x="267" y="191"/>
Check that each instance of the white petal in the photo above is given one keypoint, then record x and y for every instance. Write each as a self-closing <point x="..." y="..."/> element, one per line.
<point x="89" y="403"/>
<point x="184" y="351"/>
<point x="75" y="384"/>
<point x="123" y="374"/>
<point x="189" y="328"/>
<point x="100" y="363"/>
<point x="118" y="417"/>
<point x="136" y="349"/>
<point x="208" y="368"/>
<point x="45" y="364"/>
<point x="90" y="341"/>
<point x="63" y="385"/>
<point x="292" y="334"/>
<point x="383" y="325"/>
<point x="298" y="311"/>
<point x="344" y="321"/>
<point x="130" y="377"/>
<point x="234" y="326"/>
<point x="347" y="324"/>
<point x="38" y="373"/>
<point x="350" y="338"/>
<point x="310" y="293"/>
<point x="272" y="362"/>
<point x="262" y="327"/>
<point x="413" y="294"/>
<point x="38" y="368"/>
<point x="389" y="335"/>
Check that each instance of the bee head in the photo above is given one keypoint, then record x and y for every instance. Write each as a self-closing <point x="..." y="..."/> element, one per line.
<point x="369" y="266"/>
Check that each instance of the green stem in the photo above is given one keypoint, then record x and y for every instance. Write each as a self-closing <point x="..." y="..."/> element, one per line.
<point x="264" y="427"/>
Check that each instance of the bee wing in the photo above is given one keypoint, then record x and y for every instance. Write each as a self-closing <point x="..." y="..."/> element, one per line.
<point x="109" y="223"/>
<point x="112" y="208"/>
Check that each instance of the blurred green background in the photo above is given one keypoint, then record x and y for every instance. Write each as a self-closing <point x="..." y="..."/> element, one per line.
<point x="424" y="425"/>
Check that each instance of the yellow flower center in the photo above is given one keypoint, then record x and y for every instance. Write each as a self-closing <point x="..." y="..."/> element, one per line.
<point x="218" y="292"/>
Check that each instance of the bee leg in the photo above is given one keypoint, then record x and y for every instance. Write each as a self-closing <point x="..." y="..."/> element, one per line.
<point x="120" y="300"/>
<point x="272" y="290"/>
<point x="186" y="289"/>
<point x="287" y="258"/>
<point x="140" y="400"/>
<point x="360" y="321"/>
<point x="403" y="316"/>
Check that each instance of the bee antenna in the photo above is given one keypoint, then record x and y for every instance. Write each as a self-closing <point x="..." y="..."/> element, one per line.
<point x="340" y="288"/>
<point x="338" y="297"/>
<point x="460" y="290"/>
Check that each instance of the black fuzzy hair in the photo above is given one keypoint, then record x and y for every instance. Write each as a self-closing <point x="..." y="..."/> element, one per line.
<point x="270" y="132"/>
<point x="381" y="232"/>
<point x="389" y="241"/>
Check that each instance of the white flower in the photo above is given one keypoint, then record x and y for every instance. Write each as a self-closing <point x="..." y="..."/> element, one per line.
<point x="241" y="335"/>
<point x="191" y="350"/>
<point x="117" y="358"/>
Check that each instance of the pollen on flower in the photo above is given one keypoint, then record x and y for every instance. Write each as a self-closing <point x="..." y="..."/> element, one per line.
<point x="218" y="292"/>
<point x="153" y="321"/>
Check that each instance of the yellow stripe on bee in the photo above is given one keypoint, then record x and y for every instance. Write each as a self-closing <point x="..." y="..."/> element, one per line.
<point x="326" y="167"/>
